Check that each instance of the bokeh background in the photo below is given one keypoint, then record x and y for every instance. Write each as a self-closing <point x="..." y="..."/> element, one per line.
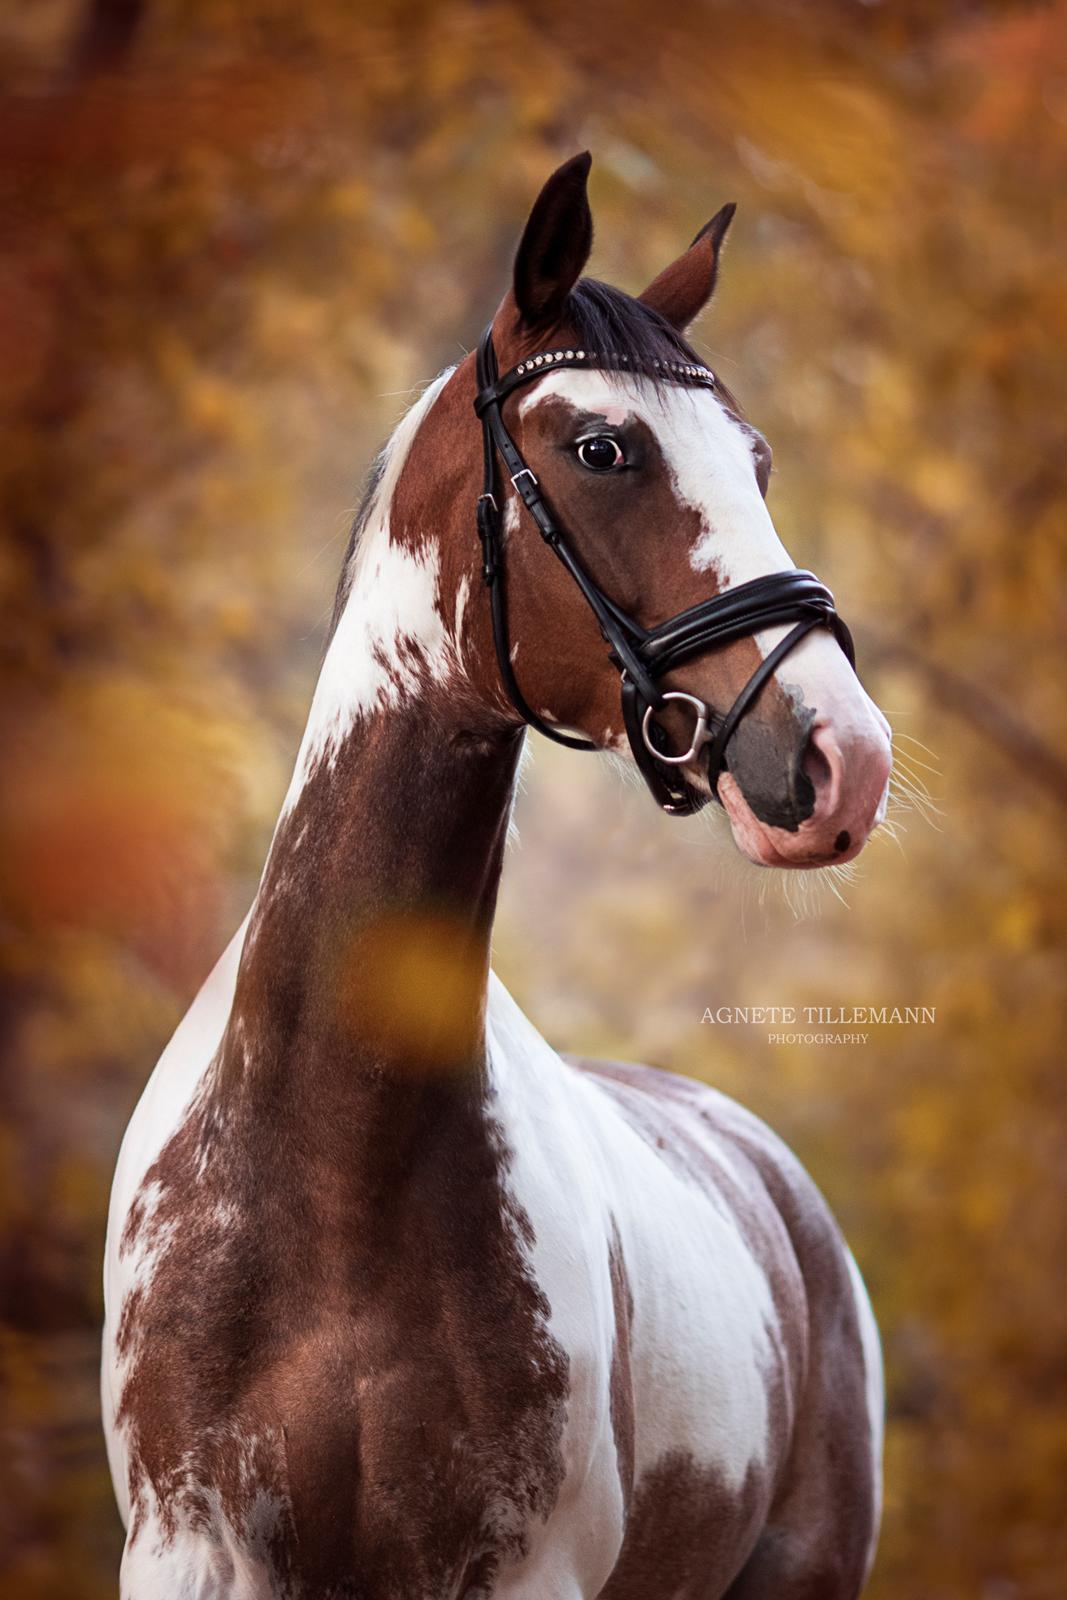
<point x="237" y="235"/>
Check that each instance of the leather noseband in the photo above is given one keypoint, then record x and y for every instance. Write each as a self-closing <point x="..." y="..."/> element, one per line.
<point x="642" y="655"/>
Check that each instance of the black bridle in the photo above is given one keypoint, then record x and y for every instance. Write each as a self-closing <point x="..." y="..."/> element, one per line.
<point x="642" y="655"/>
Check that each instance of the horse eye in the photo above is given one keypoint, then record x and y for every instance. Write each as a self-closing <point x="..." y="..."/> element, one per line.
<point x="600" y="454"/>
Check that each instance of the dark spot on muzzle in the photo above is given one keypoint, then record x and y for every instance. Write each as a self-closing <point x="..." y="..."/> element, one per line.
<point x="767" y="761"/>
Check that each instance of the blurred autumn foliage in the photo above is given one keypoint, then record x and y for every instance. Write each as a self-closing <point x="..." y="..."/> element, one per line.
<point x="235" y="236"/>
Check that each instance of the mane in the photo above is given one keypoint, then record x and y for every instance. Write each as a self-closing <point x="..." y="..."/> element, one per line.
<point x="609" y="319"/>
<point x="359" y="522"/>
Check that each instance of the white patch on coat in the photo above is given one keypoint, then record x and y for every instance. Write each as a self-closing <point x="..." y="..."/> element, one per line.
<point x="198" y="1562"/>
<point x="160" y="1111"/>
<point x="463" y="594"/>
<point x="703" y="1332"/>
<point x="391" y="630"/>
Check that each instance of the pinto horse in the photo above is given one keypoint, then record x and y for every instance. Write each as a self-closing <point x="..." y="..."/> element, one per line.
<point x="402" y="1305"/>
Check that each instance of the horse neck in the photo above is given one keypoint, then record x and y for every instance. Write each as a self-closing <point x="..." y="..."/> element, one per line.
<point x="364" y="973"/>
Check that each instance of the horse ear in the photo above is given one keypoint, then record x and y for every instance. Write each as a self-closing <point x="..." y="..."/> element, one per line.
<point x="683" y="289"/>
<point x="555" y="243"/>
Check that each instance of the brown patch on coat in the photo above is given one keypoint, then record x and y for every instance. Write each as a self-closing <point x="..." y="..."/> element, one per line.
<point x="686" y="1533"/>
<point x="341" y="1322"/>
<point x="621" y="1390"/>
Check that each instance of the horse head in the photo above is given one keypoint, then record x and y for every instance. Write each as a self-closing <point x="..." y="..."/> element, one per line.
<point x="644" y="465"/>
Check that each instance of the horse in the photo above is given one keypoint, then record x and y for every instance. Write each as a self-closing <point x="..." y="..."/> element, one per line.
<point x="400" y="1303"/>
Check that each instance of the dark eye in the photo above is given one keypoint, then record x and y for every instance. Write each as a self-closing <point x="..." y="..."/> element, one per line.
<point x="600" y="454"/>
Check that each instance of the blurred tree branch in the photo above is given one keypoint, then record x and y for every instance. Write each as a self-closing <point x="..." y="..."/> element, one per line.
<point x="104" y="37"/>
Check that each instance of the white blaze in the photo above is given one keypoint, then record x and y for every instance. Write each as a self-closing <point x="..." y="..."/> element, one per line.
<point x="708" y="456"/>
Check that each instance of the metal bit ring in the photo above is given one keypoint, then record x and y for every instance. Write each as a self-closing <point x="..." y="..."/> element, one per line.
<point x="701" y="736"/>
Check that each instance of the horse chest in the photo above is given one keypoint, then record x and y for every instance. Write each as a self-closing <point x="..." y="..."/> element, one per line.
<point x="307" y="1385"/>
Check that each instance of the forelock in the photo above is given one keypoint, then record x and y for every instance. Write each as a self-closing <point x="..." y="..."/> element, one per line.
<point x="615" y="325"/>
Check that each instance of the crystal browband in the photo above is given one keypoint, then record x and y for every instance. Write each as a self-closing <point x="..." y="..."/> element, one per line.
<point x="617" y="360"/>
<point x="685" y="372"/>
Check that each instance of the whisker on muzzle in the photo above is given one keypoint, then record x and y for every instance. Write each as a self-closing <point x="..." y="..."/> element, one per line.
<point x="910" y="792"/>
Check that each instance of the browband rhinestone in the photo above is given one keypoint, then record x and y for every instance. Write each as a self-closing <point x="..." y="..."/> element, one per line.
<point x="683" y="371"/>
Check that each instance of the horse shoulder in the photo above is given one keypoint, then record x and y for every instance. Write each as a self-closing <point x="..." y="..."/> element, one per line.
<point x="163" y="1104"/>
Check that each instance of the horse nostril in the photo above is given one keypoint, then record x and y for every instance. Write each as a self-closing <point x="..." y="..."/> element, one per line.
<point x="822" y="767"/>
<point x="843" y="840"/>
<point x="816" y="767"/>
